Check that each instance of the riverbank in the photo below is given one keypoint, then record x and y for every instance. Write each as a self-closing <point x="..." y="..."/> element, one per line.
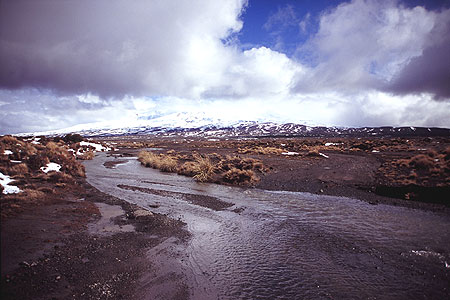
<point x="61" y="238"/>
<point x="82" y="244"/>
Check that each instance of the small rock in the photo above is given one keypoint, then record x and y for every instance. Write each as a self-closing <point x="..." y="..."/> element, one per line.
<point x="24" y="263"/>
<point x="142" y="213"/>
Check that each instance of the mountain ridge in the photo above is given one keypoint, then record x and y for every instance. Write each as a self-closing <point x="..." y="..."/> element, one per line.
<point x="201" y="125"/>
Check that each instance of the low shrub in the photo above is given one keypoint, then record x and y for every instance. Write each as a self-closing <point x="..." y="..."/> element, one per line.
<point x="204" y="168"/>
<point x="314" y="153"/>
<point x="36" y="161"/>
<point x="86" y="154"/>
<point x="422" y="161"/>
<point x="59" y="177"/>
<point x="18" y="170"/>
<point x="72" y="138"/>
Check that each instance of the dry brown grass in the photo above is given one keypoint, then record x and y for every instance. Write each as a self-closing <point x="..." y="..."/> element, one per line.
<point x="230" y="162"/>
<point x="422" y="161"/>
<point x="164" y="163"/>
<point x="313" y="153"/>
<point x="18" y="170"/>
<point x="429" y="169"/>
<point x="35" y="156"/>
<point x="86" y="154"/>
<point x="260" y="150"/>
<point x="59" y="177"/>
<point x="203" y="168"/>
<point x="187" y="169"/>
<point x="168" y="164"/>
<point x="237" y="176"/>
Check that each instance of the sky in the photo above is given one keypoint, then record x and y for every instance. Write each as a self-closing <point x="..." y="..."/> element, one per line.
<point x="336" y="63"/>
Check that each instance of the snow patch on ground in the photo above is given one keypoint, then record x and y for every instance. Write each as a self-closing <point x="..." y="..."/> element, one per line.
<point x="35" y="141"/>
<point x="97" y="147"/>
<point x="5" y="180"/>
<point x="51" y="167"/>
<point x="290" y="153"/>
<point x="323" y="155"/>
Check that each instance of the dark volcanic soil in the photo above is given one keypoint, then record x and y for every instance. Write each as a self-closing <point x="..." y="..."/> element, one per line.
<point x="88" y="245"/>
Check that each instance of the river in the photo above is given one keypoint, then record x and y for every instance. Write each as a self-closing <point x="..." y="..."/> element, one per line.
<point x="284" y="245"/>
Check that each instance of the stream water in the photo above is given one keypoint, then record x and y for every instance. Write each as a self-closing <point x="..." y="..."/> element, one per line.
<point x="287" y="245"/>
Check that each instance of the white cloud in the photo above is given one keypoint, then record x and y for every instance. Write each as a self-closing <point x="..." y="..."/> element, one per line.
<point x="362" y="44"/>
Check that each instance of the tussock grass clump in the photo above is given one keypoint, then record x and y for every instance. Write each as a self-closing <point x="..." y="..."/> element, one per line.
<point x="59" y="177"/>
<point x="148" y="159"/>
<point x="206" y="168"/>
<point x="187" y="169"/>
<point x="34" y="156"/>
<point x="23" y="162"/>
<point x="236" y="162"/>
<point x="203" y="168"/>
<point x="237" y="176"/>
<point x="168" y="164"/>
<point x="162" y="162"/>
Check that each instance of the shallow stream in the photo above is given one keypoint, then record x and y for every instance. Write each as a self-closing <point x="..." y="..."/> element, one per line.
<point x="286" y="245"/>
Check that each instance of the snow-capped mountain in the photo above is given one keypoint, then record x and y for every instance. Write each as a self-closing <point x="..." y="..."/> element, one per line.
<point x="202" y="125"/>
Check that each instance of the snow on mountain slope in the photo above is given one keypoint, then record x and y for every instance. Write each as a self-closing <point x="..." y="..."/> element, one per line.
<point x="199" y="124"/>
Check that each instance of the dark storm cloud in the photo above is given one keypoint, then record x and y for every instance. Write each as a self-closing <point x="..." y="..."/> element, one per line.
<point x="58" y="45"/>
<point x="429" y="72"/>
<point x="108" y="48"/>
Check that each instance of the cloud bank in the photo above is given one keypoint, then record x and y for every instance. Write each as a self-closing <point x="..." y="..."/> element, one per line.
<point x="369" y="63"/>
